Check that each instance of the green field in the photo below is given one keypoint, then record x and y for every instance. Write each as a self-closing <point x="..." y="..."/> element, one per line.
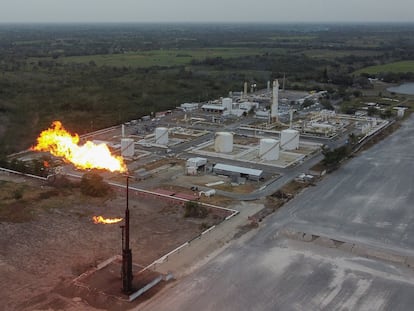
<point x="161" y="57"/>
<point x="397" y="67"/>
<point x="293" y="38"/>
<point x="331" y="54"/>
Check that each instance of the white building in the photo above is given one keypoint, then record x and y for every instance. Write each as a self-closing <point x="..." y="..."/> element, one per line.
<point x="189" y="106"/>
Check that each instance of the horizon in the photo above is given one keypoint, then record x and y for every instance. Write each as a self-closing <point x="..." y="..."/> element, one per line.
<point x="209" y="23"/>
<point x="190" y="11"/>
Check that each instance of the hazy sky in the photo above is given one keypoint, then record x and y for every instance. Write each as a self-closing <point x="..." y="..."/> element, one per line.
<point x="207" y="10"/>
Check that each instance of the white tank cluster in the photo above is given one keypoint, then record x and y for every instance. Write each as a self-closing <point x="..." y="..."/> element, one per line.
<point x="161" y="136"/>
<point x="269" y="149"/>
<point x="127" y="147"/>
<point x="227" y="103"/>
<point x="223" y="142"/>
<point x="289" y="139"/>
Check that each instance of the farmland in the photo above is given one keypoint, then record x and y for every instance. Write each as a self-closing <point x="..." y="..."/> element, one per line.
<point x="161" y="58"/>
<point x="396" y="67"/>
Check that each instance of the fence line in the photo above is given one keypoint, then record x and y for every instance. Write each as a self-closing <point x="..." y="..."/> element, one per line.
<point x="22" y="174"/>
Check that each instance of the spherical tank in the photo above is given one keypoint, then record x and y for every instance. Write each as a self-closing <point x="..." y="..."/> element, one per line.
<point x="223" y="142"/>
<point x="289" y="139"/>
<point x="161" y="136"/>
<point x="127" y="147"/>
<point x="269" y="149"/>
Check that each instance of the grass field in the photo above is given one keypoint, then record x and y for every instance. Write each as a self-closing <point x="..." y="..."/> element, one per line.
<point x="293" y="38"/>
<point x="162" y="57"/>
<point x="331" y="54"/>
<point x="403" y="66"/>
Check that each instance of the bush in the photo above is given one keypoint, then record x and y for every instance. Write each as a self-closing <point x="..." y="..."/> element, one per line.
<point x="93" y="185"/>
<point x="195" y="210"/>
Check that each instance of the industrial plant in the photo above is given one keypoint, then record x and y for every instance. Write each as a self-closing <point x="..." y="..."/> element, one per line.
<point x="244" y="137"/>
<point x="237" y="147"/>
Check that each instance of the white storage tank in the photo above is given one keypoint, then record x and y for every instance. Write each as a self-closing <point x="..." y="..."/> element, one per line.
<point x="161" y="136"/>
<point x="227" y="103"/>
<point x="400" y="113"/>
<point x="289" y="139"/>
<point x="223" y="142"/>
<point x="127" y="147"/>
<point x="269" y="149"/>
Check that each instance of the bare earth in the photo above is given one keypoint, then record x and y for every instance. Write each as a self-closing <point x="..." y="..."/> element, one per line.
<point x="46" y="241"/>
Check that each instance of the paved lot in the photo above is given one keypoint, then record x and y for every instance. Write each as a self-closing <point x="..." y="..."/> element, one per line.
<point x="369" y="201"/>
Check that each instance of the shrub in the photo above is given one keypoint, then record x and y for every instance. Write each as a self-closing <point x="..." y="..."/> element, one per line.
<point x="195" y="210"/>
<point x="93" y="185"/>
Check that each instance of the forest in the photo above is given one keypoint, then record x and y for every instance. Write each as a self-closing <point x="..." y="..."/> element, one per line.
<point x="91" y="76"/>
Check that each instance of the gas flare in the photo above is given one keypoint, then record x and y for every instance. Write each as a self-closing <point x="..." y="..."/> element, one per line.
<point x="101" y="220"/>
<point x="61" y="143"/>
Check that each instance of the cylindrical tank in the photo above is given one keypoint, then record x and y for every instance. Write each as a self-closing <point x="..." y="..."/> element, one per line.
<point x="289" y="139"/>
<point x="269" y="149"/>
<point x="223" y="142"/>
<point x="227" y="103"/>
<point x="127" y="147"/>
<point x="161" y="136"/>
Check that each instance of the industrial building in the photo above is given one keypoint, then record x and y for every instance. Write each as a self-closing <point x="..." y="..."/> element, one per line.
<point x="189" y="106"/>
<point x="194" y="165"/>
<point x="244" y="172"/>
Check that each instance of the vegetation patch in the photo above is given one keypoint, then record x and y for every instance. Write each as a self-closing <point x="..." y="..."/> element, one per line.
<point x="195" y="210"/>
<point x="93" y="185"/>
<point x="396" y="67"/>
<point x="163" y="58"/>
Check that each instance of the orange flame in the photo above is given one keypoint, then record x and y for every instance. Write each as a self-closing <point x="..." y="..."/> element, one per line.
<point x="61" y="143"/>
<point x="101" y="220"/>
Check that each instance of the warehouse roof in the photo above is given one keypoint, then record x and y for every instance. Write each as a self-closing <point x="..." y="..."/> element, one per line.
<point x="212" y="107"/>
<point x="238" y="169"/>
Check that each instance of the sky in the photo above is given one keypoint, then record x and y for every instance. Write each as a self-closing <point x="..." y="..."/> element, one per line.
<point x="275" y="11"/>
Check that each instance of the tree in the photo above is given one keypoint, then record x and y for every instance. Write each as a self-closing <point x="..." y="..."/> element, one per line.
<point x="372" y="111"/>
<point x="308" y="102"/>
<point x="335" y="156"/>
<point x="195" y="210"/>
<point x="93" y="185"/>
<point x="326" y="104"/>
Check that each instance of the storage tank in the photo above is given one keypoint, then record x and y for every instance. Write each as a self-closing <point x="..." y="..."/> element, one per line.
<point x="127" y="147"/>
<point x="269" y="149"/>
<point x="161" y="136"/>
<point x="289" y="139"/>
<point x="227" y="103"/>
<point x="223" y="142"/>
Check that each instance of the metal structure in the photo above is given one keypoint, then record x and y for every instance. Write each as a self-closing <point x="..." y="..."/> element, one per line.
<point x="275" y="102"/>
<point x="126" y="272"/>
